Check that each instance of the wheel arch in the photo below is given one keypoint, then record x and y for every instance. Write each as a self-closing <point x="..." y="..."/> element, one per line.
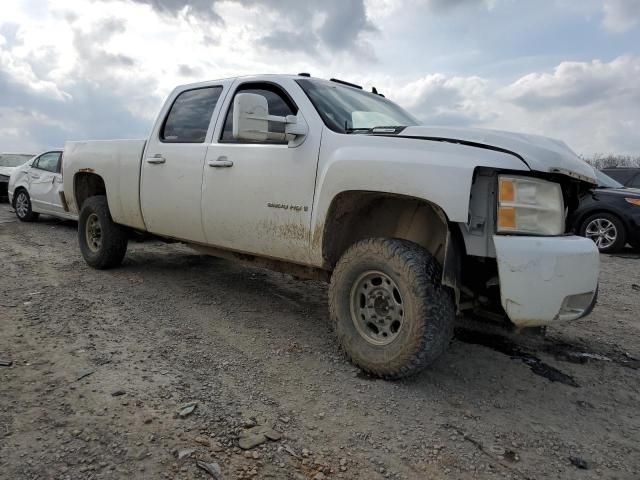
<point x="355" y="215"/>
<point x="85" y="185"/>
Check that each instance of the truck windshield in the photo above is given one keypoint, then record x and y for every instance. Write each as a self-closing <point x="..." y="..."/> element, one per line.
<point x="349" y="110"/>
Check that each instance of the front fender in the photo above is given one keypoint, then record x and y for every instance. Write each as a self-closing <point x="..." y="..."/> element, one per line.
<point x="438" y="172"/>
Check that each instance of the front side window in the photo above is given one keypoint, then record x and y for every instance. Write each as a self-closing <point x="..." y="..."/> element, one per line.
<point x="346" y="109"/>
<point x="48" y="161"/>
<point x="279" y="105"/>
<point x="190" y="115"/>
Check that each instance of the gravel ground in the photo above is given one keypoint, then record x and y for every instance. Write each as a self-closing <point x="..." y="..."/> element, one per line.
<point x="107" y="366"/>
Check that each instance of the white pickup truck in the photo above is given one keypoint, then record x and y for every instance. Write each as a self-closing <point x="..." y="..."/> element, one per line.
<point x="411" y="225"/>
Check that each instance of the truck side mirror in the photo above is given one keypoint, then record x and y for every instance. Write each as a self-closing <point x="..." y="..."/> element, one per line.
<point x="251" y="121"/>
<point x="250" y="117"/>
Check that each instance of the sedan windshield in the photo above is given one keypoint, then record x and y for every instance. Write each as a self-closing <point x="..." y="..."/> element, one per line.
<point x="605" y="181"/>
<point x="346" y="109"/>
<point x="13" y="159"/>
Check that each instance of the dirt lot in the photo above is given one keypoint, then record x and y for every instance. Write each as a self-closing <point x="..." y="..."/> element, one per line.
<point x="103" y="363"/>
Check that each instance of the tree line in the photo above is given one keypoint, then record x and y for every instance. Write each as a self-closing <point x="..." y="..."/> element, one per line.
<point x="601" y="161"/>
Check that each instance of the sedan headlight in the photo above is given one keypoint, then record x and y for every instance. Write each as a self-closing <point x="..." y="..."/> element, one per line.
<point x="530" y="205"/>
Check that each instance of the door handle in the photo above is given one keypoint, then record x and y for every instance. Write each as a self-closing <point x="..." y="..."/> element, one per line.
<point x="220" y="162"/>
<point x="33" y="175"/>
<point x="156" y="159"/>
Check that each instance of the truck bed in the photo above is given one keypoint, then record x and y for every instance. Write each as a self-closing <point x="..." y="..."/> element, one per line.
<point x="118" y="163"/>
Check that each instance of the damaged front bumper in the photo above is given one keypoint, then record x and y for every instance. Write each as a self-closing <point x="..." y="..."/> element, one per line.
<point x="546" y="279"/>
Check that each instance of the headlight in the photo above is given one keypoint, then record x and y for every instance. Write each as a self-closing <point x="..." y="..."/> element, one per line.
<point x="530" y="205"/>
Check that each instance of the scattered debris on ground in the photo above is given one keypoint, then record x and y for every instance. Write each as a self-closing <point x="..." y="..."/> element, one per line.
<point x="216" y="374"/>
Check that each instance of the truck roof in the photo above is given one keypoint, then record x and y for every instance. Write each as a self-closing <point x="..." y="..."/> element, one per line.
<point x="259" y="77"/>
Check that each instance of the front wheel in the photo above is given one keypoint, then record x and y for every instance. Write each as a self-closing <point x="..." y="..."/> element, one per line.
<point x="390" y="311"/>
<point x="103" y="243"/>
<point x="24" y="208"/>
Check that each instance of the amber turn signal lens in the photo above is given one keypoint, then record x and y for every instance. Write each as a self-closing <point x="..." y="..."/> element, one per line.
<point x="507" y="218"/>
<point x="507" y="191"/>
<point x="633" y="201"/>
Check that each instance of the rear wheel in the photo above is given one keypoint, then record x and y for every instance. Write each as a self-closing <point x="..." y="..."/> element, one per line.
<point x="103" y="243"/>
<point x="606" y="230"/>
<point x="391" y="314"/>
<point x="23" y="207"/>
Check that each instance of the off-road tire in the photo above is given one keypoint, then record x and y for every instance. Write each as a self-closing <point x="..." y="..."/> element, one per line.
<point x="29" y="215"/>
<point x="621" y="232"/>
<point x="114" y="237"/>
<point x="429" y="307"/>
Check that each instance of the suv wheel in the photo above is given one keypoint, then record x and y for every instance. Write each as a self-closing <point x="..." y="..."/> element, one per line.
<point x="606" y="230"/>
<point x="391" y="314"/>
<point x="23" y="208"/>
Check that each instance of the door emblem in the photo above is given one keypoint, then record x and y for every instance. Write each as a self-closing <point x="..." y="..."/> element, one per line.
<point x="287" y="206"/>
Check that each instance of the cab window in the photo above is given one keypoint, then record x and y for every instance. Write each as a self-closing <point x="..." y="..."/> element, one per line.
<point x="189" y="117"/>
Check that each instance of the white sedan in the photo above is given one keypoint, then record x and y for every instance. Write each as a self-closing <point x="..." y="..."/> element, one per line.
<point x="36" y="187"/>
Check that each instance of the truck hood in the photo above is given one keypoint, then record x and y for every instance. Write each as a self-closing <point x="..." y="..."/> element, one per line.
<point x="539" y="153"/>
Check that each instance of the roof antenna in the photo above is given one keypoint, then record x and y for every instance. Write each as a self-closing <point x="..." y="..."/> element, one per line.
<point x="374" y="90"/>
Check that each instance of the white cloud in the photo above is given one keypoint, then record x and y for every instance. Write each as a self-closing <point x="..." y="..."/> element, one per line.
<point x="621" y="15"/>
<point x="593" y="106"/>
<point x="577" y="84"/>
<point x="101" y="69"/>
<point x="438" y="99"/>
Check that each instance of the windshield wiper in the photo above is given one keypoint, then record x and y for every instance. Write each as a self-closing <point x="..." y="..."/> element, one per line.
<point x="356" y="130"/>
<point x="380" y="129"/>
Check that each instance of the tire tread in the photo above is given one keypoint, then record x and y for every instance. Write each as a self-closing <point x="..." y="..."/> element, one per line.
<point x="114" y="237"/>
<point x="436" y="304"/>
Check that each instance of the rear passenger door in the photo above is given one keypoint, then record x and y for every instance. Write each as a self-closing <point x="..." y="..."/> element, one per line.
<point x="172" y="164"/>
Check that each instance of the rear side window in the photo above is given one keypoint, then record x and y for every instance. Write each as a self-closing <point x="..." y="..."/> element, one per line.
<point x="48" y="161"/>
<point x="635" y="182"/>
<point x="190" y="115"/>
<point x="622" y="176"/>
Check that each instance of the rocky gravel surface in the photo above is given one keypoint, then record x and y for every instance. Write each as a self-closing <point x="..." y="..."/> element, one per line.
<point x="182" y="366"/>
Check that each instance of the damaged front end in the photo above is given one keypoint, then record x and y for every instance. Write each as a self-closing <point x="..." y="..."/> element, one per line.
<point x="521" y="262"/>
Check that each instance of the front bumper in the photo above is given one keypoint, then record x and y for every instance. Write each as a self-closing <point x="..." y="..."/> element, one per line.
<point x="546" y="279"/>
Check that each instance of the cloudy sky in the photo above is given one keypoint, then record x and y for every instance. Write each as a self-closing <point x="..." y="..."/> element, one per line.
<point x="79" y="69"/>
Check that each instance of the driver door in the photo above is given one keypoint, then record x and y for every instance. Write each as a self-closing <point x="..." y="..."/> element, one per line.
<point x="257" y="196"/>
